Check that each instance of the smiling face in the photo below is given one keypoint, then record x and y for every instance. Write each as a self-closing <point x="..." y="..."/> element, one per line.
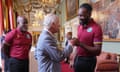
<point x="84" y="16"/>
<point x="22" y="24"/>
<point x="56" y="26"/>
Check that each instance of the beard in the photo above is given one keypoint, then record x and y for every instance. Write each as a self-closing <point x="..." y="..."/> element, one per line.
<point x="24" y="29"/>
<point x="84" y="22"/>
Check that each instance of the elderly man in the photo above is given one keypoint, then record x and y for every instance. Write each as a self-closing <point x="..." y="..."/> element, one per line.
<point x="17" y="45"/>
<point x="47" y="52"/>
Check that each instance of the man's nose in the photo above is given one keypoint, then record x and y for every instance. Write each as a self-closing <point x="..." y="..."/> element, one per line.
<point x="82" y="17"/>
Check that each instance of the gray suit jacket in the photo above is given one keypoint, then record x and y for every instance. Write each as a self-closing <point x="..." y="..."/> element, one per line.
<point x="48" y="55"/>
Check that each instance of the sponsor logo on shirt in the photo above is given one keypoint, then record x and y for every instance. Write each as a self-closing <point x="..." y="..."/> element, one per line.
<point x="28" y="36"/>
<point x="18" y="36"/>
<point x="89" y="29"/>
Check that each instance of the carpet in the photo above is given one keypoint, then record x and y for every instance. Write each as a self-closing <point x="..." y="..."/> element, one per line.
<point x="65" y="67"/>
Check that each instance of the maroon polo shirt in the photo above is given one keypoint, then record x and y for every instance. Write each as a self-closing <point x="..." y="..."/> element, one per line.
<point x="89" y="35"/>
<point x="19" y="43"/>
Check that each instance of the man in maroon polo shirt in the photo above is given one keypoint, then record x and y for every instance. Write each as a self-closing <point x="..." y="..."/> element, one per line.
<point x="89" y="41"/>
<point x="18" y="43"/>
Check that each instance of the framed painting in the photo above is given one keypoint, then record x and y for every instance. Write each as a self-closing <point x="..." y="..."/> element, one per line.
<point x="62" y="30"/>
<point x="35" y="35"/>
<point x="71" y="8"/>
<point x="108" y="16"/>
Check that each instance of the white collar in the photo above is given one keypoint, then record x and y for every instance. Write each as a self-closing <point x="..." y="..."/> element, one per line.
<point x="49" y="32"/>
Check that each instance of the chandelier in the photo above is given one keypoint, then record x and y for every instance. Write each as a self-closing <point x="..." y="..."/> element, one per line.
<point x="49" y="5"/>
<point x="46" y="5"/>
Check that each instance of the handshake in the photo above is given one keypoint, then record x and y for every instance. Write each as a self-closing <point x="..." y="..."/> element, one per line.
<point x="74" y="42"/>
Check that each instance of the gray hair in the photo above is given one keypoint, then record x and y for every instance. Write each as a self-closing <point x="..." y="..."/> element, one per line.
<point x="21" y="19"/>
<point x="49" y="20"/>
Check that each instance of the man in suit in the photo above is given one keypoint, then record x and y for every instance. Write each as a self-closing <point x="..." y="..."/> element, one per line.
<point x="68" y="38"/>
<point x="47" y="53"/>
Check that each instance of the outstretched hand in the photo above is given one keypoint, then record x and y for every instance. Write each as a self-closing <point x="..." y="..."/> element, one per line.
<point x="74" y="42"/>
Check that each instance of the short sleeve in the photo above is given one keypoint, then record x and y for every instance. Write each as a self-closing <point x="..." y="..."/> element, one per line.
<point x="30" y="37"/>
<point x="98" y="36"/>
<point x="9" y="37"/>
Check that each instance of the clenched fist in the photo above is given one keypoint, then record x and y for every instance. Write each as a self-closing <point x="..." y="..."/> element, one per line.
<point x="74" y="42"/>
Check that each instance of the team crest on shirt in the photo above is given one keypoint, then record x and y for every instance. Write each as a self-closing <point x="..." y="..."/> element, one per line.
<point x="28" y="36"/>
<point x="18" y="35"/>
<point x="89" y="29"/>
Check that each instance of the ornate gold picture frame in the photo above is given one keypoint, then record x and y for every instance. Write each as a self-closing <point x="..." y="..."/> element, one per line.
<point x="107" y="14"/>
<point x="71" y="8"/>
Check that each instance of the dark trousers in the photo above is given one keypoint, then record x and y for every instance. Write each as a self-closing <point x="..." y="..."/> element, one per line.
<point x="84" y="64"/>
<point x="16" y="65"/>
<point x="6" y="61"/>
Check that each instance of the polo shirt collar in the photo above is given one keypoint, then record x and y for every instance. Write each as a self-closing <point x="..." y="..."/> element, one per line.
<point x="91" y="21"/>
<point x="18" y="30"/>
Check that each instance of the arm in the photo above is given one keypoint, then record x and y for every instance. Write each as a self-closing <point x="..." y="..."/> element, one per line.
<point x="96" y="50"/>
<point x="5" y="48"/>
<point x="72" y="56"/>
<point x="7" y="42"/>
<point x="55" y="53"/>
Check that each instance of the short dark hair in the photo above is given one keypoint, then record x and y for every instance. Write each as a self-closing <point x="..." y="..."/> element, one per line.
<point x="87" y="6"/>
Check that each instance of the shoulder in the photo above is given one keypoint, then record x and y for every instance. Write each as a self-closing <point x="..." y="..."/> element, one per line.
<point x="29" y="33"/>
<point x="96" y="26"/>
<point x="43" y="39"/>
<point x="12" y="32"/>
<point x="97" y="29"/>
<point x="45" y="36"/>
<point x="10" y="36"/>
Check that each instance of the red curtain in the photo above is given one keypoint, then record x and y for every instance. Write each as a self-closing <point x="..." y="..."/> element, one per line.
<point x="10" y="11"/>
<point x="1" y="18"/>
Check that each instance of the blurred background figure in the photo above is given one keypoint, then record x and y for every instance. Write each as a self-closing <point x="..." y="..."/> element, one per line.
<point x="16" y="46"/>
<point x="68" y="37"/>
<point x="4" y="58"/>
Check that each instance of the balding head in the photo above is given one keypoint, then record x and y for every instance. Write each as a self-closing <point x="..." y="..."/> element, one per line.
<point x="22" y="23"/>
<point x="51" y="21"/>
<point x="21" y="19"/>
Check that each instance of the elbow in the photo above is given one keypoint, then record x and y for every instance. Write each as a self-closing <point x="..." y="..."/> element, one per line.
<point x="98" y="53"/>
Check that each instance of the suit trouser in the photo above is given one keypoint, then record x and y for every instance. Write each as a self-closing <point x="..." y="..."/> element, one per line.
<point x="16" y="65"/>
<point x="84" y="64"/>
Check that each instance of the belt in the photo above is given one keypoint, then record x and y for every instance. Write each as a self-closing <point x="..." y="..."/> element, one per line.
<point x="18" y="59"/>
<point x="86" y="57"/>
